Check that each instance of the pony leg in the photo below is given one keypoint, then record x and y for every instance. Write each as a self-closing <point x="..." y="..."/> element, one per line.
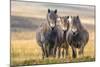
<point x="54" y="51"/>
<point x="67" y="47"/>
<point x="42" y="48"/>
<point x="59" y="52"/>
<point x="50" y="51"/>
<point x="63" y="53"/>
<point x="55" y="48"/>
<point x="74" y="53"/>
<point x="81" y="51"/>
<point x="45" y="50"/>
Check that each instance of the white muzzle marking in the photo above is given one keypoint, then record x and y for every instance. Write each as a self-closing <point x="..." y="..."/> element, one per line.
<point x="52" y="25"/>
<point x="74" y="29"/>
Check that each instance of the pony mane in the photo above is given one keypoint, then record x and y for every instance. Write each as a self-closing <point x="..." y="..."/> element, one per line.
<point x="77" y="23"/>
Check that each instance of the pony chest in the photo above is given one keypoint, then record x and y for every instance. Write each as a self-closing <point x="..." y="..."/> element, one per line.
<point x="51" y="36"/>
<point x="76" y="41"/>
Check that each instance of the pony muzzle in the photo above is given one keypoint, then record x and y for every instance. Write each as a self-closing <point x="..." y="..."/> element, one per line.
<point x="52" y="25"/>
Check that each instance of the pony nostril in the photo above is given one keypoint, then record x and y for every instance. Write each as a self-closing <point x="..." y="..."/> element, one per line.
<point x="74" y="33"/>
<point x="52" y="28"/>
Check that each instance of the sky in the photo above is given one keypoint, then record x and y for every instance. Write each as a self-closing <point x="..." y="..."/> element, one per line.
<point x="84" y="2"/>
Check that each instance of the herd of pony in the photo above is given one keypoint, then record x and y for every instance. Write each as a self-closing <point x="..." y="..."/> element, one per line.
<point x="61" y="32"/>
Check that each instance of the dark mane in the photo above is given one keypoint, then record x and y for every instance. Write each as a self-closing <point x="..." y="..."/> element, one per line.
<point x="77" y="23"/>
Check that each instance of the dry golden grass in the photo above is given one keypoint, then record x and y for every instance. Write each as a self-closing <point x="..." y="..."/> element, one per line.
<point x="25" y="50"/>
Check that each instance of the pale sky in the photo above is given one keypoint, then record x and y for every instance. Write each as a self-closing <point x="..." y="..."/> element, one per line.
<point x="84" y="2"/>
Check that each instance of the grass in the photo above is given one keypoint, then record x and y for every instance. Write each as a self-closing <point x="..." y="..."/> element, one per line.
<point x="25" y="51"/>
<point x="52" y="61"/>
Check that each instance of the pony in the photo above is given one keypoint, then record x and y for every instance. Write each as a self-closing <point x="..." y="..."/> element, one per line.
<point x="61" y="30"/>
<point x="43" y="34"/>
<point x="77" y="37"/>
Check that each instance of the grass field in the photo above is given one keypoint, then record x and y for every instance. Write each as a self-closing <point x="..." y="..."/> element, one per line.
<point x="25" y="51"/>
<point x="25" y="19"/>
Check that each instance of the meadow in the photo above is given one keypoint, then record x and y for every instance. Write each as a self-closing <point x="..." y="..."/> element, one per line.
<point x="25" y="51"/>
<point x="25" y="19"/>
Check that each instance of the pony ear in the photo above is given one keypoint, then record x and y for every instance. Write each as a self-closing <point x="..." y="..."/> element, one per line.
<point x="67" y="16"/>
<point x="77" y="17"/>
<point x="55" y="11"/>
<point x="48" y="10"/>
